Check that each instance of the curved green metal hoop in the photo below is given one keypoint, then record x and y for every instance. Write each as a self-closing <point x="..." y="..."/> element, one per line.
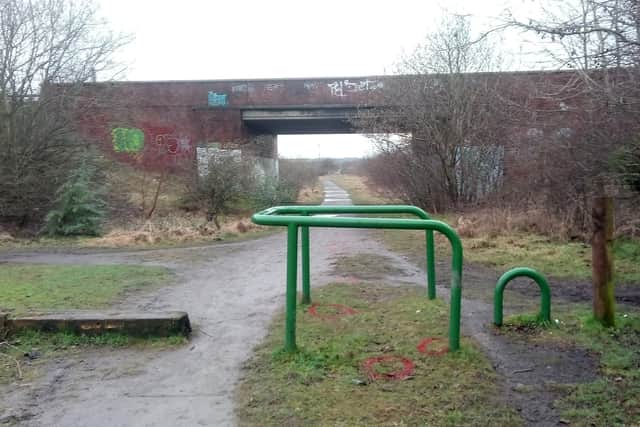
<point x="299" y="217"/>
<point x="545" y="293"/>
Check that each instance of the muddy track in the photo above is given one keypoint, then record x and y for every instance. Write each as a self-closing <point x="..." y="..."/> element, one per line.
<point x="231" y="292"/>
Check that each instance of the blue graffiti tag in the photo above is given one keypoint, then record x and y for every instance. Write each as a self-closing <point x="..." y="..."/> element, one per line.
<point x="217" y="99"/>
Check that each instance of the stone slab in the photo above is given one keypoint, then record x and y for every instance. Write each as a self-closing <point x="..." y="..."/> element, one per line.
<point x="140" y="324"/>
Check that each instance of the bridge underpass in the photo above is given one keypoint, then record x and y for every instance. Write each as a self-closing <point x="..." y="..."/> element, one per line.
<point x="308" y="132"/>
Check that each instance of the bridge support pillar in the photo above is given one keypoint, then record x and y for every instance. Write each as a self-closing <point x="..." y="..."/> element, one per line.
<point x="265" y="148"/>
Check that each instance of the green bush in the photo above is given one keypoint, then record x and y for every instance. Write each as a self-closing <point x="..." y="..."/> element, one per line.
<point x="79" y="208"/>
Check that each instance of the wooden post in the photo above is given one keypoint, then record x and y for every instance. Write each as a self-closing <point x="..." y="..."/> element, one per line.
<point x="602" y="260"/>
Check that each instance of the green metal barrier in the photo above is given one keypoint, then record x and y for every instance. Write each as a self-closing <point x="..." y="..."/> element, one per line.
<point x="545" y="293"/>
<point x="295" y="217"/>
<point x="343" y="209"/>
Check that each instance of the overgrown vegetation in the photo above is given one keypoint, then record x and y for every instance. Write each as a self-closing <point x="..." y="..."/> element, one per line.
<point x="614" y="398"/>
<point x="28" y="287"/>
<point x="323" y="384"/>
<point x="43" y="42"/>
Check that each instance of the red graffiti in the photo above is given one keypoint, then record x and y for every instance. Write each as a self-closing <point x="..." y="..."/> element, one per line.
<point x="422" y="347"/>
<point x="168" y="140"/>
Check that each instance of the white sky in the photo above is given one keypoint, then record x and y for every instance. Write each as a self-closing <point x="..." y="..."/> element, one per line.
<point x="236" y="39"/>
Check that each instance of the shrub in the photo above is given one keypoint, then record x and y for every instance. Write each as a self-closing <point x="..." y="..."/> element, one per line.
<point x="228" y="179"/>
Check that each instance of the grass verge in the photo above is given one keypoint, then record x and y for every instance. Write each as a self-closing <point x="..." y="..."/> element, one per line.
<point x="29" y="287"/>
<point x="614" y="398"/>
<point x="503" y="252"/>
<point x="323" y="383"/>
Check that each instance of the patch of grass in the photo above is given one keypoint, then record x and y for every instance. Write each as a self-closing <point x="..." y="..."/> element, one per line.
<point x="614" y="398"/>
<point x="28" y="287"/>
<point x="365" y="266"/>
<point x="530" y="323"/>
<point x="503" y="252"/>
<point x="30" y="349"/>
<point x="323" y="383"/>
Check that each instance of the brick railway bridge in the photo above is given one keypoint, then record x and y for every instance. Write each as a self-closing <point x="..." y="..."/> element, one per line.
<point x="166" y="124"/>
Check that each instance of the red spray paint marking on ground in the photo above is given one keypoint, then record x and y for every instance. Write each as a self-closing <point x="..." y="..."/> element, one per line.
<point x="422" y="347"/>
<point x="401" y="374"/>
<point x="341" y="310"/>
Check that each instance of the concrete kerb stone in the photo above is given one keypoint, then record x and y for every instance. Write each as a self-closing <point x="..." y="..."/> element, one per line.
<point x="96" y="323"/>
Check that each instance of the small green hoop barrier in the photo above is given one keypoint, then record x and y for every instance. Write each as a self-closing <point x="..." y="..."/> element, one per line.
<point x="545" y="293"/>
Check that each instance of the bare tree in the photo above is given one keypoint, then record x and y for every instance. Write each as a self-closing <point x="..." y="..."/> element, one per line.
<point x="600" y="39"/>
<point x="446" y="105"/>
<point x="227" y="179"/>
<point x="44" y="42"/>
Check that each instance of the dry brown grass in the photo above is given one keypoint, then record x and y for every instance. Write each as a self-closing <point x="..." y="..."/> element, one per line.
<point x="311" y="195"/>
<point x="494" y="222"/>
<point x="173" y="229"/>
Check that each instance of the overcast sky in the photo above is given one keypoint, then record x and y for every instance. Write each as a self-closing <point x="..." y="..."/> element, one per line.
<point x="235" y="39"/>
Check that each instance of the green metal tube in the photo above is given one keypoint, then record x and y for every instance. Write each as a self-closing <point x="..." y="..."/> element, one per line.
<point x="545" y="293"/>
<point x="292" y="274"/>
<point x="347" y="209"/>
<point x="431" y="266"/>
<point x="306" y="264"/>
<point x="355" y="209"/>
<point x="273" y="217"/>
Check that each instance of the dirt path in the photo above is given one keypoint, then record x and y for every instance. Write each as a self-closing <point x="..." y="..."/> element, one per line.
<point x="231" y="292"/>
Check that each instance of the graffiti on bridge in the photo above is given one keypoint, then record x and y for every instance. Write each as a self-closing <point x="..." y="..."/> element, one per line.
<point x="127" y="140"/>
<point x="167" y="141"/>
<point x="217" y="99"/>
<point x="343" y="87"/>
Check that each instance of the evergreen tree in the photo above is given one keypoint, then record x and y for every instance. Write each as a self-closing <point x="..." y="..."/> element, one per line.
<point x="79" y="208"/>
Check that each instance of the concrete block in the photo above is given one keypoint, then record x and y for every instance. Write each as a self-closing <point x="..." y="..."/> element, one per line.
<point x="91" y="322"/>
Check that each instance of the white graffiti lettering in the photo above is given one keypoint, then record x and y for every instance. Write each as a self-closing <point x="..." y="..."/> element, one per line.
<point x="341" y="88"/>
<point x="240" y="88"/>
<point x="270" y="87"/>
<point x="310" y="86"/>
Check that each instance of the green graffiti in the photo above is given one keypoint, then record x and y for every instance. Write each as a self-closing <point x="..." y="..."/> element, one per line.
<point x="127" y="140"/>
